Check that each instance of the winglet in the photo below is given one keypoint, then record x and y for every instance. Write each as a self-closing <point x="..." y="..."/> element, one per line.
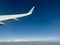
<point x="30" y="12"/>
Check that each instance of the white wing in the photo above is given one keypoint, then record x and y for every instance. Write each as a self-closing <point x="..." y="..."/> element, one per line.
<point x="8" y="17"/>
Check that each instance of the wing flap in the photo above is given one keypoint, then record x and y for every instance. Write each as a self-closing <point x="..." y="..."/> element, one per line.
<point x="1" y="23"/>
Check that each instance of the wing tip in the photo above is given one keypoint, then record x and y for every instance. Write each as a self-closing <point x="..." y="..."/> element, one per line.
<point x="30" y="12"/>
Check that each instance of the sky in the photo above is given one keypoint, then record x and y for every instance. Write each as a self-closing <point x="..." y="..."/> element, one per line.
<point x="43" y="22"/>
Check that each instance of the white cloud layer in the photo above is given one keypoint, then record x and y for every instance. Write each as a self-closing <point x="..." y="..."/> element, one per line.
<point x="48" y="39"/>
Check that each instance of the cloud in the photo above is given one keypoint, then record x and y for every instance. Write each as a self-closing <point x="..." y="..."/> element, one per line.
<point x="19" y="40"/>
<point x="48" y="39"/>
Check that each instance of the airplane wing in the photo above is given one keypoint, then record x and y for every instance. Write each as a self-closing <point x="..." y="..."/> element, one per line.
<point x="7" y="17"/>
<point x="15" y="16"/>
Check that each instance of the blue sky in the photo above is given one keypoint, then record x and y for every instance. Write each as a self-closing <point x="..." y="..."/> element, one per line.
<point x="44" y="22"/>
